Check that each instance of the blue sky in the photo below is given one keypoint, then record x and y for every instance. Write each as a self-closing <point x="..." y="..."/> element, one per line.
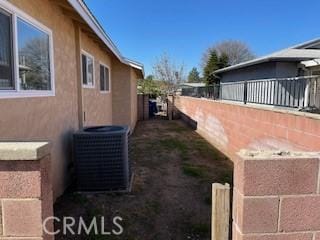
<point x="144" y="29"/>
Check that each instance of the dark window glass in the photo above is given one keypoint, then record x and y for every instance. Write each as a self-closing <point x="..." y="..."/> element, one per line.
<point x="34" y="57"/>
<point x="84" y="69"/>
<point x="6" y="66"/>
<point x="102" y="79"/>
<point x="107" y="79"/>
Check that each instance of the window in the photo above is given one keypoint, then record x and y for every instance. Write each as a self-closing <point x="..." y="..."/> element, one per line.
<point x="104" y="78"/>
<point x="87" y="70"/>
<point x="6" y="63"/>
<point x="33" y="53"/>
<point x="26" y="65"/>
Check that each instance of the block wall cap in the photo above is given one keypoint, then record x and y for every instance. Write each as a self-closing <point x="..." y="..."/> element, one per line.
<point x="21" y="151"/>
<point x="275" y="154"/>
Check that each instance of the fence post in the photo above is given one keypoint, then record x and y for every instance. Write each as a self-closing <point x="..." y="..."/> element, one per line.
<point x="307" y="93"/>
<point x="220" y="211"/>
<point x="245" y="92"/>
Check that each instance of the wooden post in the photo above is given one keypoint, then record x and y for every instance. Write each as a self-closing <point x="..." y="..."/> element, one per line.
<point x="220" y="211"/>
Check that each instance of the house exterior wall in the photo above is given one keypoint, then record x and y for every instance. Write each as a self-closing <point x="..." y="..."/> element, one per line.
<point x="48" y="118"/>
<point x="261" y="71"/>
<point x="264" y="70"/>
<point x="121" y="94"/>
<point x="97" y="105"/>
<point x="56" y="118"/>
<point x="286" y="69"/>
<point x="124" y="95"/>
<point x="134" y="98"/>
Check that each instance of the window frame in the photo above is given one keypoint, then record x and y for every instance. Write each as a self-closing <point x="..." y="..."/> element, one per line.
<point x="106" y="66"/>
<point x="85" y="53"/>
<point x="17" y="92"/>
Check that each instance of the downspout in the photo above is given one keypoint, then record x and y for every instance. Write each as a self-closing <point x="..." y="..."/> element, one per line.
<point x="79" y="82"/>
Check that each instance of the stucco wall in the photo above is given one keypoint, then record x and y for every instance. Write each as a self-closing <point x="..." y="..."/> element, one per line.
<point x="56" y="118"/>
<point x="97" y="105"/>
<point x="124" y="95"/>
<point x="48" y="118"/>
<point x="134" y="98"/>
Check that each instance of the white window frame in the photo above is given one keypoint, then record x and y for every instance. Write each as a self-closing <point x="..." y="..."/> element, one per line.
<point x="106" y="66"/>
<point x="83" y="52"/>
<point x="17" y="92"/>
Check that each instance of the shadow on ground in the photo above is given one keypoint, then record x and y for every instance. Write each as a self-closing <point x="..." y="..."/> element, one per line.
<point x="171" y="198"/>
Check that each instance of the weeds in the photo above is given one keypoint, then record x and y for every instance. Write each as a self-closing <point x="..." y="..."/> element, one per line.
<point x="175" y="144"/>
<point x="194" y="170"/>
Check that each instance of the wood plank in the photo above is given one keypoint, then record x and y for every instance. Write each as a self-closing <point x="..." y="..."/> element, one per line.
<point x="220" y="211"/>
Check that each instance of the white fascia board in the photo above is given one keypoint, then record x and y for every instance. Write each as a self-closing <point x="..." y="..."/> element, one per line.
<point x="135" y="65"/>
<point x="83" y="11"/>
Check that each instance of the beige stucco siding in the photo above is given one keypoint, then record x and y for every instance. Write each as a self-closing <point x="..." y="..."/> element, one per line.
<point x="121" y="108"/>
<point x="124" y="94"/>
<point x="96" y="105"/>
<point x="48" y="118"/>
<point x="134" y="97"/>
<point x="56" y="118"/>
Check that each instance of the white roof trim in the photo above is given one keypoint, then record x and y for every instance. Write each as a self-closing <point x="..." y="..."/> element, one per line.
<point x="297" y="52"/>
<point x="311" y="63"/>
<point x="86" y="15"/>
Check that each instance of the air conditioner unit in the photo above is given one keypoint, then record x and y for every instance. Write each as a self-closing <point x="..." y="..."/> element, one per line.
<point x="101" y="158"/>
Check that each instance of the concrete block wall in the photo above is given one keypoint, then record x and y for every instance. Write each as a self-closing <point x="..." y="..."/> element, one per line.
<point x="25" y="191"/>
<point x="231" y="126"/>
<point x="276" y="196"/>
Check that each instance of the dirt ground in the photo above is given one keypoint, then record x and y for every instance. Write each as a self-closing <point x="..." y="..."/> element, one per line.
<point x="171" y="198"/>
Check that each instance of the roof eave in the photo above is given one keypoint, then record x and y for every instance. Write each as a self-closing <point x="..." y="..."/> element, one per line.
<point x="83" y="11"/>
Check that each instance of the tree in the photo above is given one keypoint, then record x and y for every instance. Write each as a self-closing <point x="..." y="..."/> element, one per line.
<point x="214" y="63"/>
<point x="235" y="50"/>
<point x="152" y="87"/>
<point x="194" y="76"/>
<point x="166" y="70"/>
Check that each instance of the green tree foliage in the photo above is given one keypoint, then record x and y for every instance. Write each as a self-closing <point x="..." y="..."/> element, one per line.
<point x="194" y="76"/>
<point x="152" y="87"/>
<point x="214" y="63"/>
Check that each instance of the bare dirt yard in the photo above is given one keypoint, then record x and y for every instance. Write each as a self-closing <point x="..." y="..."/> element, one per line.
<point x="174" y="168"/>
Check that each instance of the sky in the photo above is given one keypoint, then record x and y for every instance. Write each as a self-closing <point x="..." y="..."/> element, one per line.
<point x="183" y="29"/>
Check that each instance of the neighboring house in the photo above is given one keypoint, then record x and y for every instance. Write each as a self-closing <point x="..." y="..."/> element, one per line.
<point x="59" y="71"/>
<point x="285" y="78"/>
<point x="186" y="87"/>
<point x="191" y="85"/>
<point x="283" y="64"/>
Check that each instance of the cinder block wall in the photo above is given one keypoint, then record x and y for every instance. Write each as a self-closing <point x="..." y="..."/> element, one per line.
<point x="276" y="197"/>
<point x="25" y="191"/>
<point x="231" y="126"/>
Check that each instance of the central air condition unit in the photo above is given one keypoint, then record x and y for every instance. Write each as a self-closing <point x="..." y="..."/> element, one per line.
<point x="101" y="158"/>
